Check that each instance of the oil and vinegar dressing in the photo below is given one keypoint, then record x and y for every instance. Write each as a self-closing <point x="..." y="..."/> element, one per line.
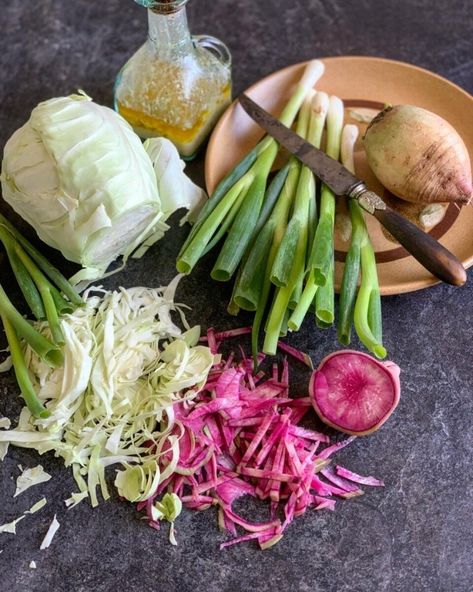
<point x="174" y="104"/>
<point x="175" y="85"/>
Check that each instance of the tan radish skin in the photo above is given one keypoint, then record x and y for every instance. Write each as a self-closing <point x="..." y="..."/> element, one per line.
<point x="418" y="156"/>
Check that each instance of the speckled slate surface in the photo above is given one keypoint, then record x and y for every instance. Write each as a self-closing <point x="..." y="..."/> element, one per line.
<point x="415" y="535"/>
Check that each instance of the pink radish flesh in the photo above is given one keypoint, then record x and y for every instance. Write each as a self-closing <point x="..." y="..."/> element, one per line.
<point x="353" y="392"/>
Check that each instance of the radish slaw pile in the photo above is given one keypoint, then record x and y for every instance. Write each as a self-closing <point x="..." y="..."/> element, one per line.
<point x="242" y="435"/>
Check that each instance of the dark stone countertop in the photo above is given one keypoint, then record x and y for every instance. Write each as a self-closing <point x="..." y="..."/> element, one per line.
<point x="414" y="535"/>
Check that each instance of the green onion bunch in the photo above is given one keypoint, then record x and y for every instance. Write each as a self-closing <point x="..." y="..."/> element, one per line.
<point x="278" y="235"/>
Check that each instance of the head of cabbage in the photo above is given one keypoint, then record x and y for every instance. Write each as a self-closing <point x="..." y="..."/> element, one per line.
<point x="78" y="173"/>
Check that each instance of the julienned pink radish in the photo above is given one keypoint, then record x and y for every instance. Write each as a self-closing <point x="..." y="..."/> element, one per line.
<point x="353" y="392"/>
<point x="242" y="435"/>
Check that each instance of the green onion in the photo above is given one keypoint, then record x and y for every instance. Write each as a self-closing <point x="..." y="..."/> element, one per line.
<point x="296" y="294"/>
<point x="322" y="324"/>
<point x="290" y="263"/>
<point x="45" y="301"/>
<point x="49" y="270"/>
<point x="284" y="259"/>
<point x="351" y="269"/>
<point x="367" y="316"/>
<point x="281" y="301"/>
<point x="320" y="107"/>
<point x="247" y="286"/>
<point x="245" y="221"/>
<point x="304" y="303"/>
<point x="322" y="251"/>
<point x="44" y="288"/>
<point x="362" y="308"/>
<point x="233" y="308"/>
<point x="49" y="352"/>
<point x="349" y="287"/>
<point x="33" y="283"/>
<point x="325" y="300"/>
<point x="250" y="284"/>
<point x="21" y="371"/>
<point x="63" y="306"/>
<point x="23" y="278"/>
<point x="272" y="195"/>
<point x="276" y="227"/>
<point x="230" y="217"/>
<point x="189" y="256"/>
<point x="249" y="176"/>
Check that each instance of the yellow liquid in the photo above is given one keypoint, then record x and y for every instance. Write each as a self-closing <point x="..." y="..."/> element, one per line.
<point x="186" y="138"/>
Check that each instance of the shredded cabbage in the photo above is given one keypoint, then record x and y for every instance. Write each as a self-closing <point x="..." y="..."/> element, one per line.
<point x="169" y="508"/>
<point x="126" y="364"/>
<point x="138" y="482"/>
<point x="31" y="477"/>
<point x="37" y="506"/>
<point x="53" y="527"/>
<point x="76" y="498"/>
<point x="10" y="527"/>
<point x="5" y="424"/>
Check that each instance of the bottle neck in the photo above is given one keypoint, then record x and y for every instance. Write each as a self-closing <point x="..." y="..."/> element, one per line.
<point x="169" y="32"/>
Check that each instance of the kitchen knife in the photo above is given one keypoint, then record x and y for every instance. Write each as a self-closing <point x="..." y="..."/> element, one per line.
<point x="429" y="252"/>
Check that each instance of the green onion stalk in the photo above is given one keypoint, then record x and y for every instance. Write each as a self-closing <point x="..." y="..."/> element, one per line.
<point x="21" y="371"/>
<point x="254" y="288"/>
<point x="361" y="306"/>
<point x="262" y="268"/>
<point x="289" y="265"/>
<point x="321" y="258"/>
<point x="35" y="286"/>
<point x="49" y="270"/>
<point x="320" y="106"/>
<point x="234" y="207"/>
<point x="268" y="242"/>
<point x="47" y="350"/>
<point x="243" y="288"/>
<point x="34" y="275"/>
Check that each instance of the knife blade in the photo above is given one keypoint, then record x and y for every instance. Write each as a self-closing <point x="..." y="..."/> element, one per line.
<point x="422" y="246"/>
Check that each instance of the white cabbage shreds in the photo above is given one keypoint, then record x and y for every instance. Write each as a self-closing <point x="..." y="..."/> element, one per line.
<point x="53" y="528"/>
<point x="126" y="363"/>
<point x="30" y="477"/>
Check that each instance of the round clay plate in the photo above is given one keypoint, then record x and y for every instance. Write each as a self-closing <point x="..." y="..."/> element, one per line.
<point x="365" y="85"/>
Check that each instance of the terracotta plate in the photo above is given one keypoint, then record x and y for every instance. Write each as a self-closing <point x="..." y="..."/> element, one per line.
<point x="363" y="83"/>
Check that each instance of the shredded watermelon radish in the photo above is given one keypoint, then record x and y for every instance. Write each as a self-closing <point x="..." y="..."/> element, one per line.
<point x="241" y="436"/>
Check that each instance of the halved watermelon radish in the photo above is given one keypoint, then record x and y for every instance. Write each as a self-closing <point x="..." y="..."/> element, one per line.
<point x="353" y="392"/>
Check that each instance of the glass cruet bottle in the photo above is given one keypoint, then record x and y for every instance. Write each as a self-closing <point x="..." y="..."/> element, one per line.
<point x="176" y="85"/>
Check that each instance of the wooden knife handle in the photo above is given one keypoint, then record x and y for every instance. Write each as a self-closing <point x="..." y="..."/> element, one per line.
<point x="429" y="252"/>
